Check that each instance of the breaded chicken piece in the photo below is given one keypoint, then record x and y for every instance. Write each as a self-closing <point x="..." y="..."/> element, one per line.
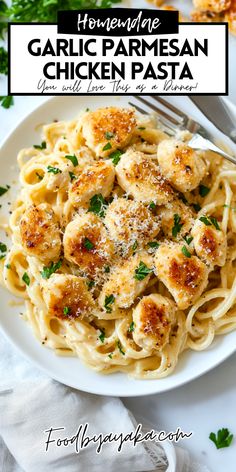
<point x="209" y="243"/>
<point x="108" y="129"/>
<point x="95" y="179"/>
<point x="123" y="285"/>
<point x="215" y="6"/>
<point x="185" y="277"/>
<point x="40" y="232"/>
<point x="140" y="177"/>
<point x="153" y="317"/>
<point x="87" y="244"/>
<point x="176" y="220"/>
<point x="181" y="164"/>
<point x="131" y="223"/>
<point x="67" y="297"/>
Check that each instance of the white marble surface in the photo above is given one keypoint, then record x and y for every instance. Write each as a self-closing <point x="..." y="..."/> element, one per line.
<point x="205" y="404"/>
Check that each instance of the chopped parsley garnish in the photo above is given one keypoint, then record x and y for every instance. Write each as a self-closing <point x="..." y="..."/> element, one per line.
<point x="115" y="156"/>
<point x="110" y="355"/>
<point x="66" y="310"/>
<point x="26" y="279"/>
<point x="87" y="109"/>
<point x="8" y="266"/>
<point x="107" y="147"/>
<point x="188" y="239"/>
<point x="90" y="283"/>
<point x="43" y="145"/>
<point x="210" y="220"/>
<point x="3" y="247"/>
<point x="98" y="205"/>
<point x="49" y="270"/>
<point x="183" y="198"/>
<point x="108" y="135"/>
<point x="109" y="300"/>
<point x="152" y="206"/>
<point x="102" y="335"/>
<point x="131" y="327"/>
<point x="54" y="170"/>
<point x="3" y="59"/>
<point x="153" y="244"/>
<point x="135" y="245"/>
<point x="4" y="190"/>
<point x="203" y="190"/>
<point x="228" y="206"/>
<point x="6" y="101"/>
<point x="3" y="27"/>
<point x="215" y="222"/>
<point x="197" y="207"/>
<point x="119" y="345"/>
<point x="223" y="438"/>
<point x="88" y="244"/>
<point x="40" y="177"/>
<point x="107" y="269"/>
<point x="141" y="128"/>
<point x="142" y="271"/>
<point x="72" y="176"/>
<point x="73" y="159"/>
<point x="185" y="252"/>
<point x="205" y="220"/>
<point x="177" y="225"/>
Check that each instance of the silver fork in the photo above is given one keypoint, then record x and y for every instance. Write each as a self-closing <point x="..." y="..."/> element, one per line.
<point x="173" y="120"/>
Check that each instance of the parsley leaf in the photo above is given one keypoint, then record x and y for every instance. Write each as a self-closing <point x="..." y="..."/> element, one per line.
<point x="107" y="147"/>
<point x="141" y="128"/>
<point x="177" y="225"/>
<point x="131" y="327"/>
<point x="26" y="279"/>
<point x="66" y="310"/>
<point x="40" y="177"/>
<point x="3" y="28"/>
<point x="153" y="244"/>
<point x="4" y="190"/>
<point x="43" y="145"/>
<point x="98" y="205"/>
<point x="135" y="245"/>
<point x="3" y="61"/>
<point x="87" y="244"/>
<point x="152" y="206"/>
<point x="49" y="270"/>
<point x="102" y="335"/>
<point x="209" y="221"/>
<point x="186" y="252"/>
<point x="214" y="222"/>
<point x="115" y="156"/>
<point x="223" y="438"/>
<point x="90" y="283"/>
<point x="142" y="271"/>
<point x="54" y="170"/>
<point x="205" y="220"/>
<point x="108" y="135"/>
<point x="107" y="269"/>
<point x="196" y="207"/>
<point x="73" y="159"/>
<point x="119" y="345"/>
<point x="188" y="239"/>
<point x="6" y="101"/>
<point x="203" y="190"/>
<point x="3" y="247"/>
<point x="109" y="300"/>
<point x="72" y="176"/>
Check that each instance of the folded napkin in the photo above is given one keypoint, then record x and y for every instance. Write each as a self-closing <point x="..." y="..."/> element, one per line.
<point x="34" y="407"/>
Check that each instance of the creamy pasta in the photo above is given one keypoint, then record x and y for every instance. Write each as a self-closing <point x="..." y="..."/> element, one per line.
<point x="123" y="243"/>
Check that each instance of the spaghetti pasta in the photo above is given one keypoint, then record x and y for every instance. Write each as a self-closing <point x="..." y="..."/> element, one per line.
<point x="117" y="264"/>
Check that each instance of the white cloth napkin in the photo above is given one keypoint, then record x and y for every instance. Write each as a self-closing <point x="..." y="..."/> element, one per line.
<point x="31" y="403"/>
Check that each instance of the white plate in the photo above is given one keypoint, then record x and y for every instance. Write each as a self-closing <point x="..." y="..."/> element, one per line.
<point x="71" y="371"/>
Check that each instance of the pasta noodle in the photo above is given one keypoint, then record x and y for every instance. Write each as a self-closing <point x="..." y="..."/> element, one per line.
<point x="117" y="264"/>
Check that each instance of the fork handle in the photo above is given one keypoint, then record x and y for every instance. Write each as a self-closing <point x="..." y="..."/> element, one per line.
<point x="198" y="142"/>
